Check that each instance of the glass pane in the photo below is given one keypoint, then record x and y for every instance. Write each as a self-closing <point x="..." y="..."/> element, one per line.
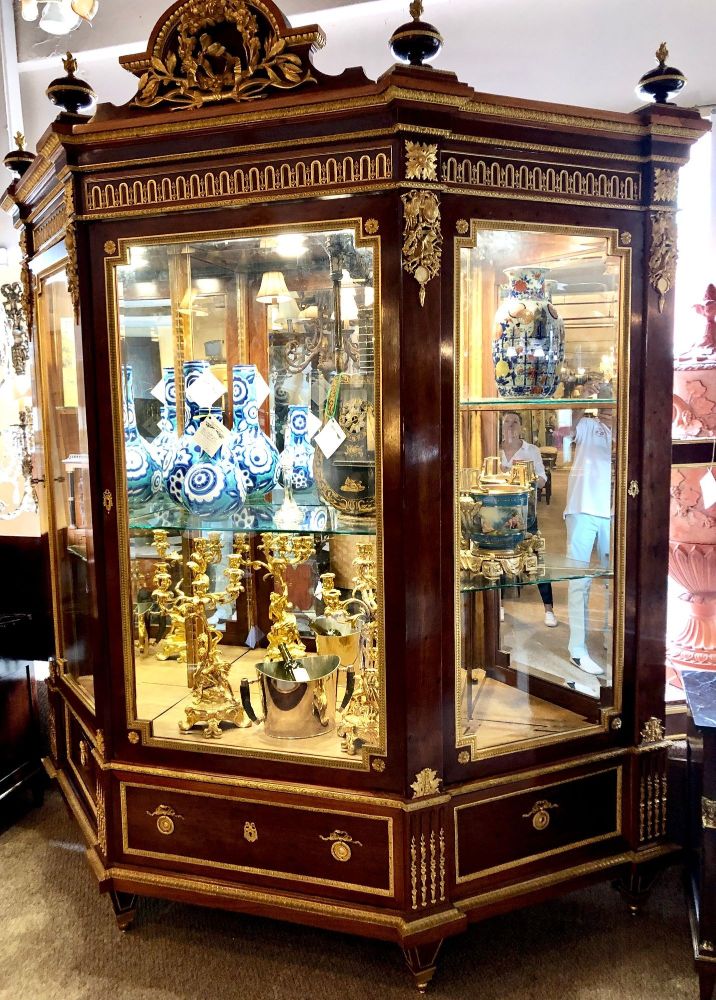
<point x="252" y="517"/>
<point x="68" y="482"/>
<point x="538" y="402"/>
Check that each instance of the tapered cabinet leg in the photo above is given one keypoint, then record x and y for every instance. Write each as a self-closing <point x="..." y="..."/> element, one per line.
<point x="636" y="884"/>
<point x="422" y="962"/>
<point x="124" y="905"/>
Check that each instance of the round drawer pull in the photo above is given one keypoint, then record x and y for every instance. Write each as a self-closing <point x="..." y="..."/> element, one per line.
<point x="341" y="844"/>
<point x="165" y="819"/>
<point x="539" y="814"/>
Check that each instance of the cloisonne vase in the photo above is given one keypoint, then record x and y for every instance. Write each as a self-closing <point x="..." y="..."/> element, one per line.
<point x="163" y="445"/>
<point x="255" y="457"/>
<point x="144" y="477"/>
<point x="528" y="345"/>
<point x="346" y="480"/>
<point x="201" y="483"/>
<point x="298" y="448"/>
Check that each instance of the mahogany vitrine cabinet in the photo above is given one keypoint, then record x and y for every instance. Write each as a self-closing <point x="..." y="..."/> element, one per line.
<point x="356" y="450"/>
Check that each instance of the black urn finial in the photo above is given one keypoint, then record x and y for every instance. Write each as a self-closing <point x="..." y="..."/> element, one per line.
<point x="69" y="93"/>
<point x="18" y="160"/>
<point x="416" y="42"/>
<point x="663" y="81"/>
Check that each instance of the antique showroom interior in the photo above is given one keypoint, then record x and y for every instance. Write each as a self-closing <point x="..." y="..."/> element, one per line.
<point x="357" y="499"/>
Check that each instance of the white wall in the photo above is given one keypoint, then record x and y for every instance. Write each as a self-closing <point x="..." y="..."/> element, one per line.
<point x="567" y="51"/>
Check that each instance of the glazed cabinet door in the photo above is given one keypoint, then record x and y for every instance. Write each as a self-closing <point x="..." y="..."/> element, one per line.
<point x="247" y="423"/>
<point x="67" y="480"/>
<point x="540" y="484"/>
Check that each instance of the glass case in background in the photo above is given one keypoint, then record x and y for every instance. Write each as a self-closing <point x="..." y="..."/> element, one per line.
<point x="67" y="481"/>
<point x="542" y="366"/>
<point x="250" y="427"/>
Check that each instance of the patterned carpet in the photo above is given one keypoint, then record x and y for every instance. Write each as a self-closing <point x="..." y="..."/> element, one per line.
<point x="58" y="941"/>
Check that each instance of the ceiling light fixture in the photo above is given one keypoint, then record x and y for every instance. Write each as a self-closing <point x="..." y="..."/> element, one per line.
<point x="59" y="17"/>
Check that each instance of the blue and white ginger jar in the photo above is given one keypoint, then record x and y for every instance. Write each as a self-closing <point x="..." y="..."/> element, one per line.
<point x="298" y="449"/>
<point x="164" y="444"/>
<point x="255" y="456"/>
<point x="203" y="484"/>
<point x="144" y="478"/>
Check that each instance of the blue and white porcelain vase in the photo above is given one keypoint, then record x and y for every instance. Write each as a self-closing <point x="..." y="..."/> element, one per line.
<point x="298" y="450"/>
<point x="144" y="477"/>
<point x="164" y="444"/>
<point x="528" y="345"/>
<point x="255" y="456"/>
<point x="203" y="484"/>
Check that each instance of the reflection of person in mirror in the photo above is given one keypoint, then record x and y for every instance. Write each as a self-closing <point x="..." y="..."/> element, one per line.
<point x="516" y="449"/>
<point x="588" y="516"/>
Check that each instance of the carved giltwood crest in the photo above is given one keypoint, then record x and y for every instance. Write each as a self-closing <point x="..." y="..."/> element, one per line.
<point x="209" y="51"/>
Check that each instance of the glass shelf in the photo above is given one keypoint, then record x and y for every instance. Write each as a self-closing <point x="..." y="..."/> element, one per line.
<point x="252" y="518"/>
<point x="536" y="403"/>
<point x="554" y="571"/>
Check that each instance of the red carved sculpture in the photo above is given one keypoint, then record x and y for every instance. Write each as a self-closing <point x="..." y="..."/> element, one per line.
<point x="692" y="535"/>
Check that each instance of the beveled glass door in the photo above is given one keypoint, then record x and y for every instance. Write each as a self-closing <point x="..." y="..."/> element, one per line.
<point x="540" y="391"/>
<point x="247" y="420"/>
<point x="67" y="481"/>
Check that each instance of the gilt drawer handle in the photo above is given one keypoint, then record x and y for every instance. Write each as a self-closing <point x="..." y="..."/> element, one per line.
<point x="341" y="844"/>
<point x="251" y="834"/>
<point x="84" y="754"/>
<point x="539" y="814"/>
<point x="165" y="819"/>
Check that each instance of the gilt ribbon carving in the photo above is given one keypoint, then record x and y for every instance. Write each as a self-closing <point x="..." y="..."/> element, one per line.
<point x="210" y="51"/>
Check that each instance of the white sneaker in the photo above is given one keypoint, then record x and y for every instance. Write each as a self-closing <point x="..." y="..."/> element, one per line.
<point x="502" y="613"/>
<point x="550" y="619"/>
<point x="586" y="663"/>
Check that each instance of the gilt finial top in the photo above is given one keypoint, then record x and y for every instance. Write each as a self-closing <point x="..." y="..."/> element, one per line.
<point x="662" y="53"/>
<point x="19" y="140"/>
<point x="69" y="64"/>
<point x="416" y="9"/>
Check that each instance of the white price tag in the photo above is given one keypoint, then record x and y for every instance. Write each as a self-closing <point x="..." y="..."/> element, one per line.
<point x="261" y="388"/>
<point x="313" y="425"/>
<point x="158" y="392"/>
<point x="318" y="592"/>
<point x="370" y="429"/>
<point x="211" y="435"/>
<point x="330" y="438"/>
<point x="206" y="389"/>
<point x="708" y="489"/>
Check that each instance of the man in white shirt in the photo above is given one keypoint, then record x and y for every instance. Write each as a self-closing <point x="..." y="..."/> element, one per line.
<point x="588" y="517"/>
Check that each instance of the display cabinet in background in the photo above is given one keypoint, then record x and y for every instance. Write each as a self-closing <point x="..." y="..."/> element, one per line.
<point x="356" y="481"/>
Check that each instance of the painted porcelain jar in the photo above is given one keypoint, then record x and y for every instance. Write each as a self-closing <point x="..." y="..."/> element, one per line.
<point x="203" y="484"/>
<point x="298" y="450"/>
<point x="528" y="345"/>
<point x="164" y="444"/>
<point x="255" y="457"/>
<point x="494" y="507"/>
<point x="144" y="478"/>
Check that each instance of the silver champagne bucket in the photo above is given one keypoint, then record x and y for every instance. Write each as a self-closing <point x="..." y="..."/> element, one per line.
<point x="298" y="695"/>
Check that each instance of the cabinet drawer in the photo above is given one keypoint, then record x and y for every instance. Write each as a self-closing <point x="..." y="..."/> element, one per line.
<point x="80" y="761"/>
<point x="517" y="828"/>
<point x="345" y="850"/>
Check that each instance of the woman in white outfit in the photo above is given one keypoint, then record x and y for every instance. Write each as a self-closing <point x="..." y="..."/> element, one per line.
<point x="588" y="517"/>
<point x="515" y="449"/>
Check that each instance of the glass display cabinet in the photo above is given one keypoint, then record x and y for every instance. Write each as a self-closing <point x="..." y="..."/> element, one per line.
<point x="356" y="477"/>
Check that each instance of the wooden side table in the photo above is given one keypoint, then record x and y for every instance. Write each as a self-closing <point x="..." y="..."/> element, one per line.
<point x="700" y="688"/>
<point x="20" y="743"/>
